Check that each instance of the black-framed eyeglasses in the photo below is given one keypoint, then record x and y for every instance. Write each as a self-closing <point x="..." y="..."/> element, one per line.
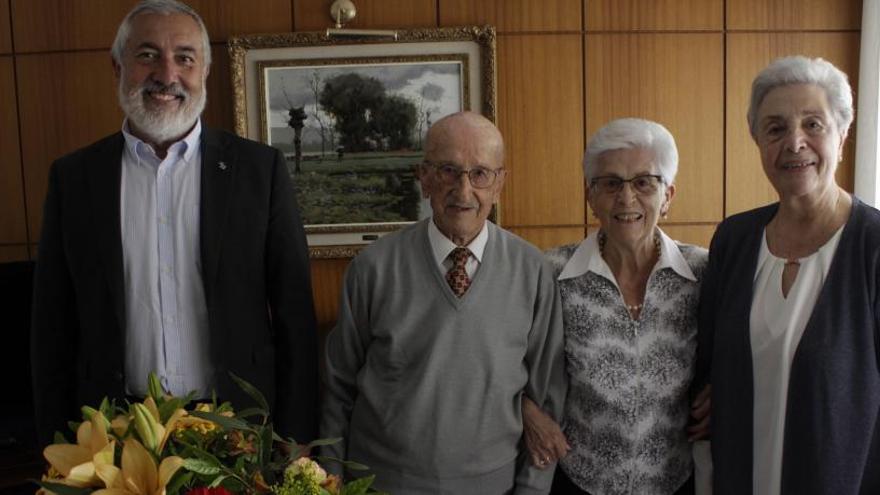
<point x="642" y="184"/>
<point x="479" y="177"/>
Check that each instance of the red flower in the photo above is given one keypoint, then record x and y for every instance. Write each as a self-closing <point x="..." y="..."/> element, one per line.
<point x="209" y="491"/>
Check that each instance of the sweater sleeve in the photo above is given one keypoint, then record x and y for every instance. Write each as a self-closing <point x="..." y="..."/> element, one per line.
<point x="345" y="353"/>
<point x="706" y="313"/>
<point x="547" y="383"/>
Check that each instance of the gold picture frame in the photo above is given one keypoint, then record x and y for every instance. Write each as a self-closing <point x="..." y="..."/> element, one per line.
<point x="350" y="114"/>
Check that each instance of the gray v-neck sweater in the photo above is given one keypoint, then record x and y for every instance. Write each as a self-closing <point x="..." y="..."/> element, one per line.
<point x="425" y="387"/>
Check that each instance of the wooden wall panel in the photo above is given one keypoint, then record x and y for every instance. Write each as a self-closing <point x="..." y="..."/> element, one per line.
<point x="12" y="217"/>
<point x="514" y="15"/>
<point x="747" y="54"/>
<point x="13" y="253"/>
<point x="219" y="110"/>
<point x="5" y="28"/>
<point x="674" y="79"/>
<point x="540" y="110"/>
<point x="314" y="15"/>
<point x="67" y="100"/>
<point x="327" y="278"/>
<point x="224" y="18"/>
<point x="43" y="25"/>
<point x="794" y="14"/>
<point x="550" y="237"/>
<point x="650" y="15"/>
<point x="699" y="234"/>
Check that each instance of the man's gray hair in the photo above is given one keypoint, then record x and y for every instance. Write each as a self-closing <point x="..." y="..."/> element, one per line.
<point x="630" y="133"/>
<point x="163" y="7"/>
<point x="802" y="70"/>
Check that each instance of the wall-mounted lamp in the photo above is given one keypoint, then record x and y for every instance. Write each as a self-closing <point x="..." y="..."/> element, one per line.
<point x="343" y="12"/>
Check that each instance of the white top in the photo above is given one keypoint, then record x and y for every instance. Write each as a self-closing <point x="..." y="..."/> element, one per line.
<point x="441" y="246"/>
<point x="166" y="317"/>
<point x="776" y="325"/>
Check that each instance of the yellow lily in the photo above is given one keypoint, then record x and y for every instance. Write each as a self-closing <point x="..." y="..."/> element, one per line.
<point x="77" y="463"/>
<point x="139" y="474"/>
<point x="152" y="432"/>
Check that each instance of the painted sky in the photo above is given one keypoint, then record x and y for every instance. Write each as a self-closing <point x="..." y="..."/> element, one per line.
<point x="436" y="84"/>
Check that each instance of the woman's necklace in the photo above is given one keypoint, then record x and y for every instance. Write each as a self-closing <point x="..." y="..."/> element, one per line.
<point x="781" y="240"/>
<point x="602" y="239"/>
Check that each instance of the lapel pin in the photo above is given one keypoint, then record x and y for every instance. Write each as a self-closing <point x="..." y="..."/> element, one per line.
<point x="221" y="165"/>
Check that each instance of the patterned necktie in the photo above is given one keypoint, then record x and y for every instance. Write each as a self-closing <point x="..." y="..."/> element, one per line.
<point x="457" y="276"/>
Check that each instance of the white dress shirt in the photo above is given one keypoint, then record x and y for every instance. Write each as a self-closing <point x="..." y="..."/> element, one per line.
<point x="776" y="324"/>
<point x="442" y="246"/>
<point x="166" y="314"/>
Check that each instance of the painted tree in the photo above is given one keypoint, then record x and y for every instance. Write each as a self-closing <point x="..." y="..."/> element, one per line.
<point x="325" y="127"/>
<point x="366" y="117"/>
<point x="351" y="99"/>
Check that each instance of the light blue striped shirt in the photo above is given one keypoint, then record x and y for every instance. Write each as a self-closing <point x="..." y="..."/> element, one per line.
<point x="166" y="313"/>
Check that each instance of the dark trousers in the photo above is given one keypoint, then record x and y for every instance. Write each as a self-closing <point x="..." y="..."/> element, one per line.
<point x="562" y="485"/>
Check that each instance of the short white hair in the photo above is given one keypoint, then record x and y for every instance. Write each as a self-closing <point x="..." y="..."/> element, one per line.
<point x="163" y="7"/>
<point x="802" y="70"/>
<point x="631" y="133"/>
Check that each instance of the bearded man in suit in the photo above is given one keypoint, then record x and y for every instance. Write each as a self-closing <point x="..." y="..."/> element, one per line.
<point x="171" y="247"/>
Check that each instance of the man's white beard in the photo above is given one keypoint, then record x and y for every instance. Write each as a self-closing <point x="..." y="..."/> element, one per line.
<point x="160" y="126"/>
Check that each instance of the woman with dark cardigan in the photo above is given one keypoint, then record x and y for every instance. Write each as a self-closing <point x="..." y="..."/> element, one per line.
<point x="790" y="302"/>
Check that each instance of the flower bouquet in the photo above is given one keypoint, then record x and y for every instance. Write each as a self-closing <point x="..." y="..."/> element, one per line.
<point x="165" y="446"/>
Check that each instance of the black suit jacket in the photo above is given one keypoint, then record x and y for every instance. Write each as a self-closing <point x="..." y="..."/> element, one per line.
<point x="255" y="272"/>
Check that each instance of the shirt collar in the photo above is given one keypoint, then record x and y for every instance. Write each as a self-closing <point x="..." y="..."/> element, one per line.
<point x="442" y="246"/>
<point x="587" y="258"/>
<point x="185" y="147"/>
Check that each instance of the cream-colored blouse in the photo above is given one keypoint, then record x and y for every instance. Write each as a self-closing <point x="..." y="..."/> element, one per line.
<point x="776" y="326"/>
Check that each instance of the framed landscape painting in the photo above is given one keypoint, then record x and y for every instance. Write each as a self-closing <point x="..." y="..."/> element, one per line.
<point x="350" y="116"/>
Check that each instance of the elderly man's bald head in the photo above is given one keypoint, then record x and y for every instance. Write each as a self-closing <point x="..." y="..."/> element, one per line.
<point x="463" y="173"/>
<point x="459" y="128"/>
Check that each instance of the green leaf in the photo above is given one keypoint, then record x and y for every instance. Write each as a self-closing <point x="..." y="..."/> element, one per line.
<point x="178" y="481"/>
<point x="324" y="441"/>
<point x="358" y="486"/>
<point x="265" y="444"/>
<point x="167" y="408"/>
<point x="253" y="411"/>
<point x="250" y="390"/>
<point x="106" y="408"/>
<point x="154" y="386"/>
<point x="224" y="421"/>
<point x="61" y="489"/>
<point x="59" y="438"/>
<point x="354" y="466"/>
<point x="217" y="481"/>
<point x="201" y="466"/>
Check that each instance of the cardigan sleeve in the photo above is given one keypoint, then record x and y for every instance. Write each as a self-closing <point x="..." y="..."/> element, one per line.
<point x="709" y="287"/>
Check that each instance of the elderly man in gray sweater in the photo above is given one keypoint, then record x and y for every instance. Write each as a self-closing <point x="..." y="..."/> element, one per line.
<point x="442" y="327"/>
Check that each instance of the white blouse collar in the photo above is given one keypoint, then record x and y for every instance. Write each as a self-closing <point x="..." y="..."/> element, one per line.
<point x="587" y="258"/>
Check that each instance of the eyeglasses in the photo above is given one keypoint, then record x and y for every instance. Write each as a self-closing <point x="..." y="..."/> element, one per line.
<point x="642" y="184"/>
<point x="479" y="177"/>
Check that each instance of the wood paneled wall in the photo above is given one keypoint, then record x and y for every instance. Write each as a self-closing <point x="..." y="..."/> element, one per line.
<point x="565" y="67"/>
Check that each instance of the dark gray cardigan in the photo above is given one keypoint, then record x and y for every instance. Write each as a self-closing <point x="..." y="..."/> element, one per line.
<point x="832" y="432"/>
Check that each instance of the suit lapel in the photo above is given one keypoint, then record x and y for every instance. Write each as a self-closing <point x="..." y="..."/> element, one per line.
<point x="104" y="174"/>
<point x="218" y="170"/>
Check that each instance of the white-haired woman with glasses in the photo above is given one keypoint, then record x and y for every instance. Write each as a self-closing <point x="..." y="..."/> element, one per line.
<point x="790" y="304"/>
<point x="629" y="296"/>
